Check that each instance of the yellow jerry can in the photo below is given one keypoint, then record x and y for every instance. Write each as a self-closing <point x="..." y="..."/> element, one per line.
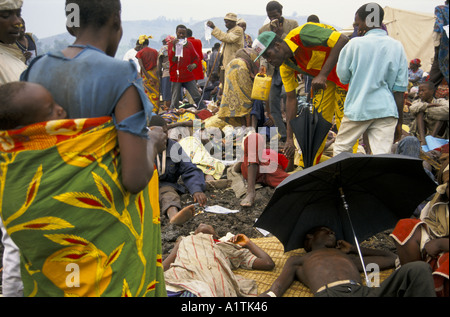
<point x="261" y="87"/>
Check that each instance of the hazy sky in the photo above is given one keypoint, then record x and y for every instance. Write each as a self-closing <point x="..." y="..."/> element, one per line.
<point x="47" y="17"/>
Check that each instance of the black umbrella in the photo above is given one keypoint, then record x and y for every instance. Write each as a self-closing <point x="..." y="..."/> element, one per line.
<point x="355" y="195"/>
<point x="310" y="130"/>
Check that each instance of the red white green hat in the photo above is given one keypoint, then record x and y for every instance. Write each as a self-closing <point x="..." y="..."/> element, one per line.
<point x="263" y="42"/>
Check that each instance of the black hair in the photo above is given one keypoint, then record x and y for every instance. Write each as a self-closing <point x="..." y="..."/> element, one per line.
<point x="215" y="76"/>
<point x="157" y="121"/>
<point x="368" y="9"/>
<point x="312" y="231"/>
<point x="274" y="6"/>
<point x="11" y="115"/>
<point x="429" y="84"/>
<point x="95" y="12"/>
<point x="313" y="18"/>
<point x="181" y="26"/>
<point x="188" y="32"/>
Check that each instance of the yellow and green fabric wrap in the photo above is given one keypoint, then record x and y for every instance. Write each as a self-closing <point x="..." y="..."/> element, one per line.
<point x="79" y="232"/>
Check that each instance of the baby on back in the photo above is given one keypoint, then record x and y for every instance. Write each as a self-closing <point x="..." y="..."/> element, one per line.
<point x="25" y="103"/>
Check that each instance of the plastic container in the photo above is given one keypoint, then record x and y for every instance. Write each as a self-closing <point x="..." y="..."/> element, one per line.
<point x="261" y="87"/>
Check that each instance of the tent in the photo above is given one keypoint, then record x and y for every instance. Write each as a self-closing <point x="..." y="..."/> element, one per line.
<point x="414" y="30"/>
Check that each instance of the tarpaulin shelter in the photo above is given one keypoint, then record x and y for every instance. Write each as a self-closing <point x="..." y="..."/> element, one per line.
<point x="413" y="29"/>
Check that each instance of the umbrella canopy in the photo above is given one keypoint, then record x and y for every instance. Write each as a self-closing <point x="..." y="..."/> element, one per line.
<point x="379" y="190"/>
<point x="310" y="129"/>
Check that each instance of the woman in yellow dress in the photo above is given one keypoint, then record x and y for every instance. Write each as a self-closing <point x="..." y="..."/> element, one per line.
<point x="148" y="60"/>
<point x="236" y="102"/>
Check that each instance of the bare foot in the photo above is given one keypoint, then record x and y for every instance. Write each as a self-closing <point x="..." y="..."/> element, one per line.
<point x="218" y="184"/>
<point x="248" y="200"/>
<point x="183" y="215"/>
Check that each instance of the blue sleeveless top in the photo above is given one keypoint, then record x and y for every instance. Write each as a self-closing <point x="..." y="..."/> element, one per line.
<point x="90" y="85"/>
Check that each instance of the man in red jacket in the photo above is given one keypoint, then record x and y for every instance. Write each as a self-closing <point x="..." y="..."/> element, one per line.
<point x="182" y="58"/>
<point x="198" y="71"/>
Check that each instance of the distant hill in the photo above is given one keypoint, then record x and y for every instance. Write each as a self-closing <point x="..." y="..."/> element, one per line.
<point x="159" y="29"/>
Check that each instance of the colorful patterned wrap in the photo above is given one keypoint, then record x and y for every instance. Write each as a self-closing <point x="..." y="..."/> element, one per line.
<point x="79" y="231"/>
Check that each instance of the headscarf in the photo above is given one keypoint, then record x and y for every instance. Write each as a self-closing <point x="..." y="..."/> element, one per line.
<point x="416" y="61"/>
<point x="248" y="55"/>
<point x="10" y="4"/>
<point x="169" y="38"/>
<point x="143" y="38"/>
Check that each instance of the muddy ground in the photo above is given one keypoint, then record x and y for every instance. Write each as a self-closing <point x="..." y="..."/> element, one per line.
<point x="240" y="222"/>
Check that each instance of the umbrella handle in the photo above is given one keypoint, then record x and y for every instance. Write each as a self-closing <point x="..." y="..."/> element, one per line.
<point x="368" y="283"/>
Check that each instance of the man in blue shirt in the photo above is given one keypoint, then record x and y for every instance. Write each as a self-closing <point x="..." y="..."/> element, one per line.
<point x="172" y="164"/>
<point x="376" y="69"/>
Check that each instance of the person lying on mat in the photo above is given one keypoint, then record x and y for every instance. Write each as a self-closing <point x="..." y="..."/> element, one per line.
<point x="201" y="265"/>
<point x="329" y="271"/>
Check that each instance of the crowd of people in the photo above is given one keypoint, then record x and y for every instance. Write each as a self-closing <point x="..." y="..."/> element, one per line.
<point x="94" y="150"/>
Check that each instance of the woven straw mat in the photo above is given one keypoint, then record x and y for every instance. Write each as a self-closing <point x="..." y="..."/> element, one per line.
<point x="264" y="279"/>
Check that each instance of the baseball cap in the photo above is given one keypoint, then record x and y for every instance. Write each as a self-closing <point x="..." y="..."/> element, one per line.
<point x="263" y="41"/>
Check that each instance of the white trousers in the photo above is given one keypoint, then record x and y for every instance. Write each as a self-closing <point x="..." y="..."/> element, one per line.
<point x="380" y="133"/>
<point x="12" y="285"/>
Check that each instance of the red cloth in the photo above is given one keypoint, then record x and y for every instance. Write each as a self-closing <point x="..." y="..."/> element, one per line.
<point x="149" y="57"/>
<point x="304" y="54"/>
<point x="198" y="71"/>
<point x="440" y="267"/>
<point x="403" y="231"/>
<point x="254" y="152"/>
<point x="204" y="114"/>
<point x="178" y="66"/>
<point x="283" y="161"/>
